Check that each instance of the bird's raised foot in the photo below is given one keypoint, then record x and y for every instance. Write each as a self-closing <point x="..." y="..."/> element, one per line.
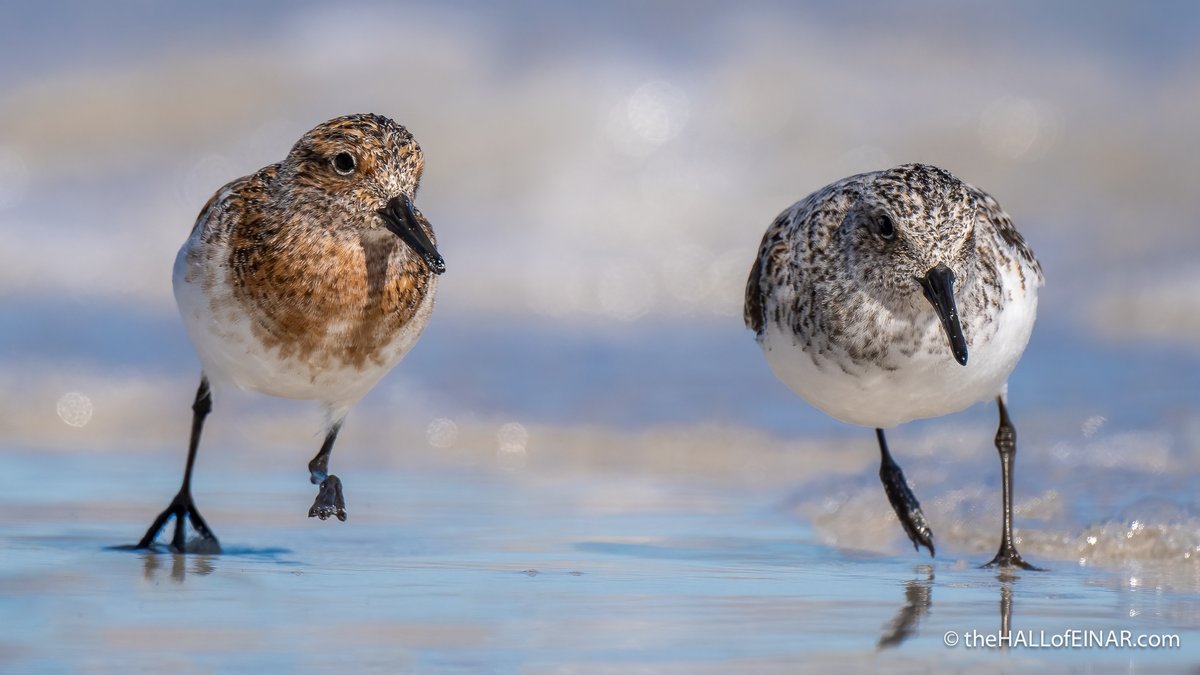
<point x="906" y="506"/>
<point x="183" y="510"/>
<point x="1008" y="558"/>
<point x="329" y="501"/>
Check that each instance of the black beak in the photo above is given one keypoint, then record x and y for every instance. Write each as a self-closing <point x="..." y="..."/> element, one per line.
<point x="400" y="218"/>
<point x="938" y="284"/>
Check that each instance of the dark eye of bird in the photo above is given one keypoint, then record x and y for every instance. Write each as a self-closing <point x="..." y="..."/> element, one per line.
<point x="884" y="226"/>
<point x="343" y="163"/>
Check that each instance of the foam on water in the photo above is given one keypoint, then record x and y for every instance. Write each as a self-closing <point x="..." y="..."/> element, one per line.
<point x="1120" y="500"/>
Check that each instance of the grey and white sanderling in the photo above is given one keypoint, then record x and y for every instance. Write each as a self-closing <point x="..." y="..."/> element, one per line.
<point x="868" y="296"/>
<point x="309" y="279"/>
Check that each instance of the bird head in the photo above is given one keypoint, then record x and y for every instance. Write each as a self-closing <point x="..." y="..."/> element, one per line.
<point x="361" y="172"/>
<point x="910" y="232"/>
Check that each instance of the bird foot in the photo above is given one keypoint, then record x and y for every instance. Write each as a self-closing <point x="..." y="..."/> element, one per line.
<point x="906" y="506"/>
<point x="183" y="510"/>
<point x="329" y="501"/>
<point x="1008" y="557"/>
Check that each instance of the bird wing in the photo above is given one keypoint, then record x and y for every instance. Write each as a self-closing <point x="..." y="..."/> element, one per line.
<point x="991" y="213"/>
<point x="225" y="202"/>
<point x="789" y="239"/>
<point x="758" y="284"/>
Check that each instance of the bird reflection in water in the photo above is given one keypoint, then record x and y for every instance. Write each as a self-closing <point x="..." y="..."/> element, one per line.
<point x="153" y="565"/>
<point x="918" y="598"/>
<point x="1006" y="587"/>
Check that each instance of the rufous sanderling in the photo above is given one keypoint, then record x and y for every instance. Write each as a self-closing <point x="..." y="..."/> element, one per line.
<point x="868" y="295"/>
<point x="309" y="279"/>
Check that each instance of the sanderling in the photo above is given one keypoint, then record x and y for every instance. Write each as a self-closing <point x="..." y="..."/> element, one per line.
<point x="308" y="280"/>
<point x="868" y="295"/>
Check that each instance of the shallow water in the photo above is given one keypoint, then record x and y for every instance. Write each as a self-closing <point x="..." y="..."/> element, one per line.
<point x="649" y="521"/>
<point x="484" y="571"/>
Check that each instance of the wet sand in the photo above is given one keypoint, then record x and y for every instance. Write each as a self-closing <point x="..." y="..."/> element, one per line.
<point x="595" y="507"/>
<point x="488" y="569"/>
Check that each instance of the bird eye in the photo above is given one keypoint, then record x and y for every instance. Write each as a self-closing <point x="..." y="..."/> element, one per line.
<point x="344" y="163"/>
<point x="884" y="227"/>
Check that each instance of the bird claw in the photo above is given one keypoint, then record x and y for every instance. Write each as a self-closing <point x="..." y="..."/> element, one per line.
<point x="906" y="506"/>
<point x="329" y="501"/>
<point x="1007" y="558"/>
<point x="183" y="510"/>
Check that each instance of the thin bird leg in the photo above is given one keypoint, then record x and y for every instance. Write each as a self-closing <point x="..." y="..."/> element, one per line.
<point x="1006" y="444"/>
<point x="182" y="507"/>
<point x="903" y="501"/>
<point x="329" y="501"/>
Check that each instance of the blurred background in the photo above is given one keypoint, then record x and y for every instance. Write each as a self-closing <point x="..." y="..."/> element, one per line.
<point x="599" y="176"/>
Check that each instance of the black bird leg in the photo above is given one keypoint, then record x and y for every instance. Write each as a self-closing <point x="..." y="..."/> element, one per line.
<point x="182" y="508"/>
<point x="903" y="501"/>
<point x="329" y="501"/>
<point x="1006" y="444"/>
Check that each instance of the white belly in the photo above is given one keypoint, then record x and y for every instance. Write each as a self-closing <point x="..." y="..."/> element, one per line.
<point x="925" y="385"/>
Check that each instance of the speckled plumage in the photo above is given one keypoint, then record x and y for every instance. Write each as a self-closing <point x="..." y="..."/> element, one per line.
<point x="828" y="294"/>
<point x="892" y="296"/>
<point x="309" y="279"/>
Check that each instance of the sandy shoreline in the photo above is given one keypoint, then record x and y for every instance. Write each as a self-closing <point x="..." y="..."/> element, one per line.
<point x="520" y="571"/>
